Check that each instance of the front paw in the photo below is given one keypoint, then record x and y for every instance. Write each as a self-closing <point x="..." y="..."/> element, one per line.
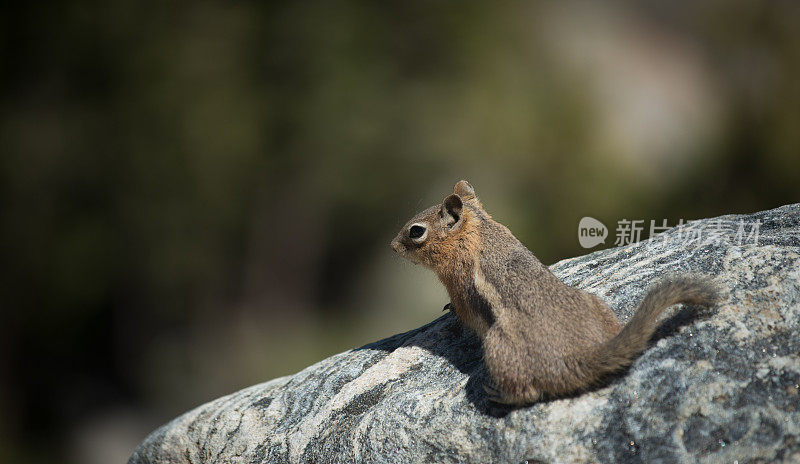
<point x="494" y="395"/>
<point x="528" y="396"/>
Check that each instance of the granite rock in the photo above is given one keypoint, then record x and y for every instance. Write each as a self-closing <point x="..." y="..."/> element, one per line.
<point x="717" y="385"/>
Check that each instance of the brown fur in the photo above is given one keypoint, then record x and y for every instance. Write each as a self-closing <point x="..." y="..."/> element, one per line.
<point x="540" y="336"/>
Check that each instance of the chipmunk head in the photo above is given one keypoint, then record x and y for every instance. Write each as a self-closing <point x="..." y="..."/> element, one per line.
<point x="440" y="233"/>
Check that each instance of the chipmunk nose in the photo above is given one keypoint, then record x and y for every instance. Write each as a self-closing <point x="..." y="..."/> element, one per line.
<point x="397" y="246"/>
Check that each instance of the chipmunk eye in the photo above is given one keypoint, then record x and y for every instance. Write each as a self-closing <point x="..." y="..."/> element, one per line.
<point x="416" y="231"/>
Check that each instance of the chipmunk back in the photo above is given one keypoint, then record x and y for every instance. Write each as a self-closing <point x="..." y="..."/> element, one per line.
<point x="539" y="335"/>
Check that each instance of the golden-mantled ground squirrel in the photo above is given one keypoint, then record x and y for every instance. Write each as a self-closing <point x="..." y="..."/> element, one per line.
<point x="539" y="335"/>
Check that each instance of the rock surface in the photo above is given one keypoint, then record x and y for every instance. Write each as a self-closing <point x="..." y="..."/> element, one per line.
<point x="716" y="386"/>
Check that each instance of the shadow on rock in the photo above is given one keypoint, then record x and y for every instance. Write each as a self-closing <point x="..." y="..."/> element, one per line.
<point x="446" y="337"/>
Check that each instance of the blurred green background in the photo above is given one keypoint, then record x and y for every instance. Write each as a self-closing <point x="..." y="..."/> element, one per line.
<point x="197" y="196"/>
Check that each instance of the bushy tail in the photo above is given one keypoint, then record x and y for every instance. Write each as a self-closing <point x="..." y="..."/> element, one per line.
<point x="621" y="350"/>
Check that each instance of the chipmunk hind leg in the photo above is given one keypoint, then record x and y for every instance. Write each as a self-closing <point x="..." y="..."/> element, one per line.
<point x="509" y="378"/>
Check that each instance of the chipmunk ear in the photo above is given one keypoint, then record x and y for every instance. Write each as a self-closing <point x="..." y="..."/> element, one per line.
<point x="464" y="190"/>
<point x="451" y="209"/>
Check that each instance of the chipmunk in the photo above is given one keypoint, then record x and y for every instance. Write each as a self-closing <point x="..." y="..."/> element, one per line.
<point x="540" y="336"/>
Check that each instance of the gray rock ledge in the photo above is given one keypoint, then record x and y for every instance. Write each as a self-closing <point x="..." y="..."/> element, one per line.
<point x="716" y="386"/>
